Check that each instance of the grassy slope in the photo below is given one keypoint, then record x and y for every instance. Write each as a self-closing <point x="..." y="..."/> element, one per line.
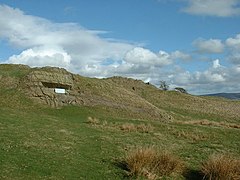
<point x="189" y="106"/>
<point x="41" y="143"/>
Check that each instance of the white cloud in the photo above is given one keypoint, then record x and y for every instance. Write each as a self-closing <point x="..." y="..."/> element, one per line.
<point x="143" y="56"/>
<point x="234" y="49"/>
<point x="209" y="46"/>
<point x="216" y="64"/>
<point x="216" y="78"/>
<point x="220" y="8"/>
<point x="42" y="56"/>
<point x="181" y="55"/>
<point x="84" y="47"/>
<point x="234" y="42"/>
<point x="215" y="74"/>
<point x="237" y="69"/>
<point x="234" y="58"/>
<point x="138" y="63"/>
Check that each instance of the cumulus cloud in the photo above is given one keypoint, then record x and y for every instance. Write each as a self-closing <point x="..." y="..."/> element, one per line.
<point x="38" y="37"/>
<point x="220" y="8"/>
<point x="216" y="64"/>
<point x="234" y="42"/>
<point x="214" y="74"/>
<point x="235" y="58"/>
<point x="234" y="46"/>
<point x="217" y="78"/>
<point x="42" y="56"/>
<point x="209" y="46"/>
<point x="137" y="63"/>
<point x="147" y="57"/>
<point x="213" y="79"/>
<point x="181" y="55"/>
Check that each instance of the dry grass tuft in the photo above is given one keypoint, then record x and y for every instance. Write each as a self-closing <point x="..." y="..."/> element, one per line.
<point x="93" y="121"/>
<point x="153" y="164"/>
<point x="143" y="128"/>
<point x="194" y="136"/>
<point x="221" y="167"/>
<point x="206" y="122"/>
<point x="127" y="127"/>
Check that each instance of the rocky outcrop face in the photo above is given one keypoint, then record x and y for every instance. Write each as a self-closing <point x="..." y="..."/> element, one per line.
<point x="42" y="85"/>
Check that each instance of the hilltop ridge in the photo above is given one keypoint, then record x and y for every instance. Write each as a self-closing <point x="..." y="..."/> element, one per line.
<point x="133" y="97"/>
<point x="39" y="84"/>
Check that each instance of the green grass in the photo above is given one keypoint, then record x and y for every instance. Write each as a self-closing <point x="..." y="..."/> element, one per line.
<point x="13" y="70"/>
<point x="59" y="143"/>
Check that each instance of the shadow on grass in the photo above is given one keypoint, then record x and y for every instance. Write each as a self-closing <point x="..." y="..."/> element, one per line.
<point x="193" y="175"/>
<point x="190" y="174"/>
<point x="122" y="165"/>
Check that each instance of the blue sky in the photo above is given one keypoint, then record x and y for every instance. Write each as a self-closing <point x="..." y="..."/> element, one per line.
<point x="194" y="44"/>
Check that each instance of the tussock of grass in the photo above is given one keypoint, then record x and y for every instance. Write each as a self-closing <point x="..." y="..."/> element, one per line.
<point x="126" y="127"/>
<point x="206" y="122"/>
<point x="150" y="163"/>
<point x="129" y="127"/>
<point x="221" y="167"/>
<point x="194" y="136"/>
<point x="93" y="120"/>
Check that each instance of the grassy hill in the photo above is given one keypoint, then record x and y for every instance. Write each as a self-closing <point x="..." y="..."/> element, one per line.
<point x="90" y="141"/>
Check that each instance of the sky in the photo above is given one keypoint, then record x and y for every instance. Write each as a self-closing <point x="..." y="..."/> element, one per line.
<point x="193" y="44"/>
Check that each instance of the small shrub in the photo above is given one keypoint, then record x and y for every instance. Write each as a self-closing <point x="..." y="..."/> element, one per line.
<point x="93" y="121"/>
<point x="181" y="90"/>
<point x="164" y="86"/>
<point x="221" y="167"/>
<point x="152" y="164"/>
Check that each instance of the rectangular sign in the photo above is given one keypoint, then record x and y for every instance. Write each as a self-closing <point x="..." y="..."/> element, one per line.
<point x="60" y="90"/>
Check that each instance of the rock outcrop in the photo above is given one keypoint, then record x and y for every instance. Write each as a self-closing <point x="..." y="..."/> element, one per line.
<point x="41" y="85"/>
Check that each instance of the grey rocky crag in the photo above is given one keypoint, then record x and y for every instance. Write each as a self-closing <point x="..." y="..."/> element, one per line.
<point x="40" y="85"/>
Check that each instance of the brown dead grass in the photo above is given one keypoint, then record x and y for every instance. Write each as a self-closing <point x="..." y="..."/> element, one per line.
<point x="206" y="122"/>
<point x="194" y="136"/>
<point x="143" y="128"/>
<point x="93" y="121"/>
<point x="126" y="127"/>
<point x="221" y="167"/>
<point x="153" y="164"/>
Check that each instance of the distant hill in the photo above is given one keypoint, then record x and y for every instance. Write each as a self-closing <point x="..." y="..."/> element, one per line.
<point x="234" y="96"/>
